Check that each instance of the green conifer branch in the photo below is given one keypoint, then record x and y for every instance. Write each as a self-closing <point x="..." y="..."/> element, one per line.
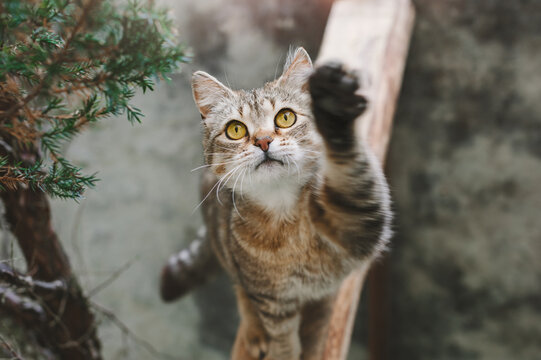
<point x="65" y="64"/>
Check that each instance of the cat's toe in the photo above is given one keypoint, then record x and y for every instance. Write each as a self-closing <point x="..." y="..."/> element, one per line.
<point x="348" y="83"/>
<point x="333" y="90"/>
<point x="330" y="72"/>
<point x="334" y="77"/>
<point x="258" y="345"/>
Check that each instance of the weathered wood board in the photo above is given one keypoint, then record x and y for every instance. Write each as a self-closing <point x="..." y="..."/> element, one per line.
<point x="371" y="36"/>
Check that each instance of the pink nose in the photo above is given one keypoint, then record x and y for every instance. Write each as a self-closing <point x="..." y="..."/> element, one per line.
<point x="263" y="142"/>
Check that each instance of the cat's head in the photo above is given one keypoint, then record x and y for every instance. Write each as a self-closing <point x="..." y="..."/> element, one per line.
<point x="263" y="137"/>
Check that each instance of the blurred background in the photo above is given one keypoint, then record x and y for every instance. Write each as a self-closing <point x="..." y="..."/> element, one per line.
<point x="463" y="279"/>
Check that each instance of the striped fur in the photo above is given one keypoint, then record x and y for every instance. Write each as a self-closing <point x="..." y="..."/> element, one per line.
<point x="288" y="232"/>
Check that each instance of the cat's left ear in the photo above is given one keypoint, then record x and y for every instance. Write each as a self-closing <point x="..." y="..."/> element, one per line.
<point x="297" y="68"/>
<point x="208" y="91"/>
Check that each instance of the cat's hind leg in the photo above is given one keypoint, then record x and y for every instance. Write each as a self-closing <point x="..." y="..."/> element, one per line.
<point x="189" y="268"/>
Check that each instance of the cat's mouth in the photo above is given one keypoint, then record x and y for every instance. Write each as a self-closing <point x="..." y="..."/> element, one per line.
<point x="269" y="161"/>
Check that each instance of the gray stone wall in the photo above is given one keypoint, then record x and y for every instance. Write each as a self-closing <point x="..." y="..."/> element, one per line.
<point x="465" y="168"/>
<point x="464" y="165"/>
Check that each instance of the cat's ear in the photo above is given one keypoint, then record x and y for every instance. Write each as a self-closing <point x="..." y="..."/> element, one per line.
<point x="207" y="91"/>
<point x="297" y="68"/>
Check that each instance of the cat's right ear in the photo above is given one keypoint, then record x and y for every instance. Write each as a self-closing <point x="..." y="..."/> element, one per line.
<point x="297" y="68"/>
<point x="207" y="91"/>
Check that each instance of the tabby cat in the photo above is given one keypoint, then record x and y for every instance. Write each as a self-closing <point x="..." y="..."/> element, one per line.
<point x="293" y="201"/>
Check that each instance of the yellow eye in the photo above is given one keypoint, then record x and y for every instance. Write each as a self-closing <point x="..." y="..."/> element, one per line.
<point x="285" y="118"/>
<point x="235" y="130"/>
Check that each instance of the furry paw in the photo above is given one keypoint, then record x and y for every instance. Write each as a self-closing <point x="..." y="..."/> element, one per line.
<point x="333" y="92"/>
<point x="257" y="345"/>
<point x="334" y="101"/>
<point x="251" y="344"/>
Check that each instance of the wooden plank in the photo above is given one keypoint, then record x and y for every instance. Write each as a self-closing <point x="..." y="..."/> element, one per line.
<point x="371" y="36"/>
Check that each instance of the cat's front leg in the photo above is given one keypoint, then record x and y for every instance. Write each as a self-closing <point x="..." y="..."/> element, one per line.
<point x="283" y="330"/>
<point x="336" y="105"/>
<point x="351" y="206"/>
<point x="269" y="328"/>
<point x="252" y="342"/>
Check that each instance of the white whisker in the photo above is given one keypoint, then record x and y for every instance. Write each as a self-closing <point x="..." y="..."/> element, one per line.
<point x="224" y="181"/>
<point x="216" y="186"/>
<point x="217" y="164"/>
<point x="298" y="170"/>
<point x="242" y="182"/>
<point x="223" y="147"/>
<point x="206" y="196"/>
<point x="286" y="158"/>
<point x="233" y="196"/>
<point x="312" y="151"/>
<point x="226" y="79"/>
<point x="278" y="63"/>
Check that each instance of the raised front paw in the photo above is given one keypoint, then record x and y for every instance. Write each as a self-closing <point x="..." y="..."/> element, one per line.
<point x="334" y="101"/>
<point x="333" y="92"/>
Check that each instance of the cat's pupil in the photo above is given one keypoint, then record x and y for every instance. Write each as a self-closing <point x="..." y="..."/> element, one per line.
<point x="285" y="117"/>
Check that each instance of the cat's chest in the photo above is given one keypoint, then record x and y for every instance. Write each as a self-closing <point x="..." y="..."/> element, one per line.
<point x="290" y="257"/>
<point x="278" y="242"/>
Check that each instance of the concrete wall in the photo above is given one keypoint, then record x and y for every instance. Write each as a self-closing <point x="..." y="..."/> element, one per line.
<point x="464" y="164"/>
<point x="465" y="167"/>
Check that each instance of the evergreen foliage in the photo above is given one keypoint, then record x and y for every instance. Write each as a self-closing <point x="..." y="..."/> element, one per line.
<point x="65" y="64"/>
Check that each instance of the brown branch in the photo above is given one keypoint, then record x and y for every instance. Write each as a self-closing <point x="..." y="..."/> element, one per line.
<point x="111" y="278"/>
<point x="10" y="349"/>
<point x="11" y="182"/>
<point x="68" y="316"/>
<point x="83" y="83"/>
<point x="29" y="216"/>
<point x="126" y="331"/>
<point x="33" y="287"/>
<point x="21" y="309"/>
<point x="21" y="132"/>
<point x="58" y="57"/>
<point x="70" y="89"/>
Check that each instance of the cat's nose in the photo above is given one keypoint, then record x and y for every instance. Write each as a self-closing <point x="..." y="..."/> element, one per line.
<point x="263" y="142"/>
